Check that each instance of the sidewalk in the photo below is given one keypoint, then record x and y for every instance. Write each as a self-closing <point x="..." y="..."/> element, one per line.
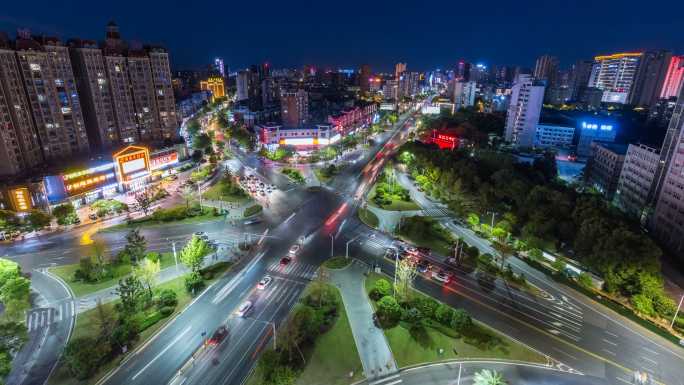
<point x="374" y="351"/>
<point x="389" y="220"/>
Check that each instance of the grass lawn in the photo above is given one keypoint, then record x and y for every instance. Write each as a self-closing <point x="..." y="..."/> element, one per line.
<point x="396" y="205"/>
<point x="207" y="216"/>
<point x="482" y="342"/>
<point x="86" y="325"/>
<point x="331" y="359"/>
<point x="323" y="177"/>
<point x="218" y="192"/>
<point x="66" y="273"/>
<point x="369" y="218"/>
<point x="337" y="262"/>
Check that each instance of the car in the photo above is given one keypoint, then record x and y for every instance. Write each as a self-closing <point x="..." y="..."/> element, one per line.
<point x="285" y="260"/>
<point x="423" y="266"/>
<point x="252" y="222"/>
<point x="92" y="217"/>
<point x="264" y="282"/>
<point x="440" y="276"/>
<point x="424" y="250"/>
<point x="218" y="336"/>
<point x="244" y="309"/>
<point x="201" y="235"/>
<point x="294" y="249"/>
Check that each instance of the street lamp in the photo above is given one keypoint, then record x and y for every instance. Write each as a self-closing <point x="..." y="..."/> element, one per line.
<point x="677" y="312"/>
<point x="332" y="245"/>
<point x="346" y="250"/>
<point x="175" y="256"/>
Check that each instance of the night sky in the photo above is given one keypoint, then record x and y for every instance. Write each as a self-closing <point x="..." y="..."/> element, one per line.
<point x="348" y="33"/>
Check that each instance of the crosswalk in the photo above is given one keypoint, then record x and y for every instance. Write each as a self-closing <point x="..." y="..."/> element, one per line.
<point x="294" y="269"/>
<point x="282" y="292"/>
<point x="436" y="212"/>
<point x="41" y="318"/>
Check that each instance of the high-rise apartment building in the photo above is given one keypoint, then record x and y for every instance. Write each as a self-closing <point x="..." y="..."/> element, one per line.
<point x="51" y="91"/>
<point x="614" y="75"/>
<point x="673" y="79"/>
<point x="364" y="78"/>
<point x="636" y="179"/>
<point x="580" y="73"/>
<point x="399" y="69"/>
<point x="523" y="111"/>
<point x="96" y="98"/>
<point x="215" y="85"/>
<point x="464" y="94"/>
<point x="20" y="149"/>
<point x="649" y="78"/>
<point x="219" y="67"/>
<point x="294" y="108"/>
<point x="604" y="166"/>
<point x="668" y="190"/>
<point x="163" y="92"/>
<point x="462" y="70"/>
<point x="242" y="81"/>
<point x="546" y="68"/>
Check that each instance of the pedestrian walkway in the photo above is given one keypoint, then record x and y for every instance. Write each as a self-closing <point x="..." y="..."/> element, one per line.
<point x="389" y="220"/>
<point x="374" y="351"/>
<point x="293" y="269"/>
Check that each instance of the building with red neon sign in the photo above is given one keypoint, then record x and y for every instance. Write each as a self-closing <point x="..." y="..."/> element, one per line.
<point x="445" y="139"/>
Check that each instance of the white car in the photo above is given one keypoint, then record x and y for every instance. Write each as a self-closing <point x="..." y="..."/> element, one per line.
<point x="440" y="276"/>
<point x="201" y="234"/>
<point x="243" y="309"/>
<point x="294" y="249"/>
<point x="264" y="282"/>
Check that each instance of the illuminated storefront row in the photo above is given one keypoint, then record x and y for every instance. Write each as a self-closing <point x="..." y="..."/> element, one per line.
<point x="130" y="169"/>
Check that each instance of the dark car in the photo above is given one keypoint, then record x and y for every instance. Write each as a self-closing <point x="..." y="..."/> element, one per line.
<point x="424" y="250"/>
<point x="285" y="261"/>
<point x="423" y="266"/>
<point x="218" y="336"/>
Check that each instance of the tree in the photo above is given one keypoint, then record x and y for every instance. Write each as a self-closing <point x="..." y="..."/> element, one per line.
<point x="144" y="201"/>
<point x="65" y="214"/>
<point x="473" y="220"/>
<point x="188" y="193"/>
<point x="105" y="320"/>
<point x="388" y="311"/>
<point x="642" y="304"/>
<point x="147" y="271"/>
<point x="9" y="221"/>
<point x="488" y="377"/>
<point x="383" y="287"/>
<point x="444" y="314"/>
<point x="135" y="245"/>
<point x="84" y="355"/>
<point x="14" y="294"/>
<point x="37" y="220"/>
<point x="130" y="291"/>
<point x="201" y="142"/>
<point x="406" y="271"/>
<point x="194" y="252"/>
<point x="8" y="269"/>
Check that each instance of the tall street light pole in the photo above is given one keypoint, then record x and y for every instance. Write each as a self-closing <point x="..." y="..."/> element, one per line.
<point x="332" y="245"/>
<point x="346" y="250"/>
<point x="677" y="312"/>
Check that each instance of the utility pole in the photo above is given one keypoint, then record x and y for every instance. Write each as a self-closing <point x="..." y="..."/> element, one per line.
<point x="175" y="255"/>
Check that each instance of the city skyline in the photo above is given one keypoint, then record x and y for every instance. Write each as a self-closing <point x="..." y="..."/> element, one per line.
<point x="501" y="36"/>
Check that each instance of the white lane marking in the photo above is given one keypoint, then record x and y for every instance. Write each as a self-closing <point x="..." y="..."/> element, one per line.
<point x="30" y="319"/>
<point x="234" y="282"/>
<point x="384" y="380"/>
<point x="562" y="352"/>
<point x="609" y="352"/>
<point x="609" y="342"/>
<point x="178" y="337"/>
<point x="623" y="380"/>
<point x="650" y="351"/>
<point x="565" y="319"/>
<point x="288" y="218"/>
<point x="611" y="334"/>
<point x="649" y="360"/>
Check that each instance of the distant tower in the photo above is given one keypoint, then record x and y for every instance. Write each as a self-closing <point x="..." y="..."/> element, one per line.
<point x="218" y="66"/>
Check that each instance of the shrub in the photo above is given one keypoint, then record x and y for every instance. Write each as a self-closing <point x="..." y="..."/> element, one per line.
<point x="664" y="305"/>
<point x="460" y="320"/>
<point x="150" y="319"/>
<point x="167" y="310"/>
<point x="252" y="210"/>
<point x="167" y="297"/>
<point x="383" y="287"/>
<point x="194" y="282"/>
<point x="585" y="280"/>
<point x="413" y="316"/>
<point x="444" y="314"/>
<point x="389" y="311"/>
<point x="426" y="305"/>
<point x="642" y="304"/>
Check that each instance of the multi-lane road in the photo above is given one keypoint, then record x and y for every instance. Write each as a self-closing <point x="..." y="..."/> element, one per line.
<point x="570" y="330"/>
